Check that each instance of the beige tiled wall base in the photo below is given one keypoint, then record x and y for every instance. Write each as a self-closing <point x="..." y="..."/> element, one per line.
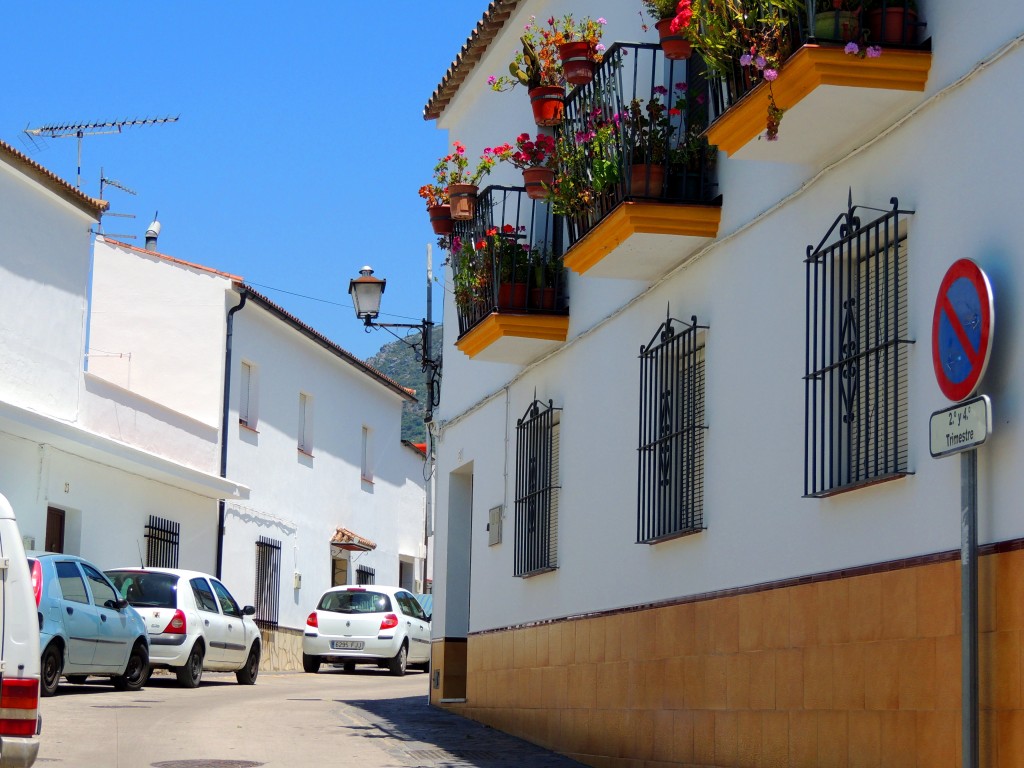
<point x="856" y="671"/>
<point x="282" y="650"/>
<point x="448" y="670"/>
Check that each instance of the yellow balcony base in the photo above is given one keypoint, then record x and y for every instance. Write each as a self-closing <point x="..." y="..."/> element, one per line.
<point x="505" y="337"/>
<point x="833" y="102"/>
<point x="643" y="240"/>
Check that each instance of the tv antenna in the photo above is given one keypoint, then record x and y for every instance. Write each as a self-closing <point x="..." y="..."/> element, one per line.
<point x="105" y="182"/>
<point x="81" y="130"/>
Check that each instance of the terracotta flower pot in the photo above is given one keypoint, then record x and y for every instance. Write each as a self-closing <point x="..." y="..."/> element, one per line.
<point x="542" y="298"/>
<point x="548" y="102"/>
<point x="512" y="296"/>
<point x="577" y="63"/>
<point x="893" y="25"/>
<point x="534" y="180"/>
<point x="463" y="197"/>
<point x="674" y="44"/>
<point x="646" y="180"/>
<point x="441" y="219"/>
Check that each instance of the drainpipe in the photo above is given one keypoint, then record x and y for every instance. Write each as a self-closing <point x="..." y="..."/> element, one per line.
<point x="226" y="410"/>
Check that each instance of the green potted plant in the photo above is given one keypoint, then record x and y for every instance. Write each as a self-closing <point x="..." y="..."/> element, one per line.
<point x="471" y="276"/>
<point x="438" y="207"/>
<point x="668" y="14"/>
<point x="579" y="46"/>
<point x="536" y="158"/>
<point x="588" y="168"/>
<point x="462" y="184"/>
<point x="646" y="128"/>
<point x="548" y="275"/>
<point x="538" y="67"/>
<point x="510" y="260"/>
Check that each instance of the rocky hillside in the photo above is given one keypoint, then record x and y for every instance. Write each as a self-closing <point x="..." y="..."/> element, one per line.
<point x="398" y="360"/>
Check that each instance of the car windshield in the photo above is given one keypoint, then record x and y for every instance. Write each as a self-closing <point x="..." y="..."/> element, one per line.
<point x="146" y="589"/>
<point x="355" y="602"/>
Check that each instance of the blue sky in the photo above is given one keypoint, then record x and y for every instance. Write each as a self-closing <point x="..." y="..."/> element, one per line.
<point x="300" y="146"/>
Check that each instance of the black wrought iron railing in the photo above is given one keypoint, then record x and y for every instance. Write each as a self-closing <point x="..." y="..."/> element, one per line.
<point x="883" y="23"/>
<point x="508" y="258"/>
<point x="537" y="445"/>
<point x="162" y="539"/>
<point x="633" y="133"/>
<point x="268" y="581"/>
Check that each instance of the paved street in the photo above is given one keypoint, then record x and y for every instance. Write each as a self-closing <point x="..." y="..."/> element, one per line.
<point x="287" y="720"/>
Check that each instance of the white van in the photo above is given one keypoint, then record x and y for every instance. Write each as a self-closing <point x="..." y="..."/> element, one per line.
<point x="19" y="649"/>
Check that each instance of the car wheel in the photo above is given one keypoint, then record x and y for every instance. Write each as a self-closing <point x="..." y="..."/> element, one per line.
<point x="50" y="668"/>
<point x="136" y="672"/>
<point x="190" y="674"/>
<point x="349" y="667"/>
<point x="310" y="664"/>
<point x="397" y="665"/>
<point x="77" y="679"/>
<point x="247" y="674"/>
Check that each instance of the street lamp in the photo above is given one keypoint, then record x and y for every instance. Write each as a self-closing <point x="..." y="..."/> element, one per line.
<point x="366" y="291"/>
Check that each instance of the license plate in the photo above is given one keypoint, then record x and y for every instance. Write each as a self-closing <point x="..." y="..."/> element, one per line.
<point x="346" y="645"/>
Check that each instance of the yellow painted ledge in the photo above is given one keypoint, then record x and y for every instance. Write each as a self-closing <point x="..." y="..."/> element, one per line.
<point x="499" y="325"/>
<point x="630" y="218"/>
<point x="811" y="66"/>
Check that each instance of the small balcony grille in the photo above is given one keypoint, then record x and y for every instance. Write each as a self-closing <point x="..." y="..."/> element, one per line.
<point x="162" y="538"/>
<point x="365" y="575"/>
<point x="610" y="150"/>
<point x="856" y="383"/>
<point x="670" y="496"/>
<point x="536" y="537"/>
<point x="517" y="270"/>
<point x="268" y="581"/>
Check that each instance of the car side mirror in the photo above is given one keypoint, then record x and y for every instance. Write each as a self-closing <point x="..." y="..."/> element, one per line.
<point x="430" y="617"/>
<point x="117" y="605"/>
<point x="249" y="610"/>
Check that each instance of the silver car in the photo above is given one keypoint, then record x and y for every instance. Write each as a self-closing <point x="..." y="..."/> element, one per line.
<point x="367" y="624"/>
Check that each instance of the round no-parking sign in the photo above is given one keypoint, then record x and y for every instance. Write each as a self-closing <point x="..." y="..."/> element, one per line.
<point x="962" y="329"/>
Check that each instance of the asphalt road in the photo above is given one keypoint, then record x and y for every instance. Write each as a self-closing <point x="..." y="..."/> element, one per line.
<point x="287" y="720"/>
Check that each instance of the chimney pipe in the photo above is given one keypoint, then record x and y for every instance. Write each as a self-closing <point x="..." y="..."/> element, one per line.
<point x="152" y="233"/>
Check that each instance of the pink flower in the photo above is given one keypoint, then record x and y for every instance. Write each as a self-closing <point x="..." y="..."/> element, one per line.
<point x="492" y="80"/>
<point x="602" y="20"/>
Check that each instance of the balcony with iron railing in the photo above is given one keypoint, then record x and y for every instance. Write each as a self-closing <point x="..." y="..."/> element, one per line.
<point x="509" y="280"/>
<point x="636" y="183"/>
<point x="837" y="75"/>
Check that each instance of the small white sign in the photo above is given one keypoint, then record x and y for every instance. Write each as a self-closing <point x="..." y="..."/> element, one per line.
<point x="962" y="427"/>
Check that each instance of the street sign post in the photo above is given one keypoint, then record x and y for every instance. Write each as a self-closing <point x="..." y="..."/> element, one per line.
<point x="962" y="327"/>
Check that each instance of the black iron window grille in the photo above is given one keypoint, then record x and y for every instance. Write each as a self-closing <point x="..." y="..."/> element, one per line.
<point x="537" y="438"/>
<point x="268" y="581"/>
<point x="670" y="488"/>
<point x="858" y="345"/>
<point x="507" y="258"/>
<point x="162" y="537"/>
<point x="635" y="132"/>
<point x="365" y="575"/>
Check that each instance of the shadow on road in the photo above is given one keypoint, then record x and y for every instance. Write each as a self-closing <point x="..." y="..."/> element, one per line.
<point x="420" y="734"/>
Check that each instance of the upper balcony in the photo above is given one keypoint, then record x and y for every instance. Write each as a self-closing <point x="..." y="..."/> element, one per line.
<point x="636" y="182"/>
<point x="841" y="76"/>
<point x="510" y="287"/>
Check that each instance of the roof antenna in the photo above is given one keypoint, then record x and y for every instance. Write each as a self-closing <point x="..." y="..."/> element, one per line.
<point x="142" y="562"/>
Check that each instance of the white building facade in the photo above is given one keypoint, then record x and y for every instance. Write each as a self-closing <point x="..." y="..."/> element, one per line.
<point x="336" y="496"/>
<point x="87" y="466"/>
<point x="698" y="523"/>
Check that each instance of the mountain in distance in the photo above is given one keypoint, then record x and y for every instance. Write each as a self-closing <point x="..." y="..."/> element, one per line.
<point x="398" y="361"/>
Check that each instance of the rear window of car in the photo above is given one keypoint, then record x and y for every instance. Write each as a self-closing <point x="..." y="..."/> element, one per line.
<point x="146" y="589"/>
<point x="355" y="602"/>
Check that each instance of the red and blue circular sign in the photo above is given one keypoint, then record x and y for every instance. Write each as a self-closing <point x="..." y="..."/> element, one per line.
<point x="962" y="329"/>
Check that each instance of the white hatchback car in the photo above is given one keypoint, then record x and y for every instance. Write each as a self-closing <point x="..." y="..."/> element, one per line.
<point x="194" y="623"/>
<point x="367" y="624"/>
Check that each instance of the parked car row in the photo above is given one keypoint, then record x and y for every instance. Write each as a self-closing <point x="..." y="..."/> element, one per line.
<point x="367" y="624"/>
<point x="125" y="622"/>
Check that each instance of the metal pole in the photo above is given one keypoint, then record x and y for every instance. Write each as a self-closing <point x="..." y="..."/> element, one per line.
<point x="428" y="341"/>
<point x="969" y="605"/>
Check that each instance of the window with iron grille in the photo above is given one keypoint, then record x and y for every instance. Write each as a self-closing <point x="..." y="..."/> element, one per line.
<point x="855" y="387"/>
<point x="670" y="487"/>
<point x="268" y="581"/>
<point x="162" y="542"/>
<point x="365" y="575"/>
<point x="536" y="536"/>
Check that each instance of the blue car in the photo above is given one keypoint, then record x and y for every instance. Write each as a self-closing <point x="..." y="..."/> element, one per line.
<point x="85" y="627"/>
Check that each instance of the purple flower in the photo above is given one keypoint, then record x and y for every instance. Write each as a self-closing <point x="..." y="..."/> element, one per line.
<point x="770" y="74"/>
<point x="874" y="51"/>
<point x="760" y="62"/>
<point x="746" y="59"/>
<point x="852" y="48"/>
<point x="599" y="47"/>
<point x="681" y="87"/>
<point x="770" y="137"/>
